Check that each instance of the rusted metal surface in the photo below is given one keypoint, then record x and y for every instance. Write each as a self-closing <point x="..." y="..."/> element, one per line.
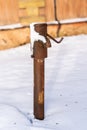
<point x="39" y="88"/>
<point x="40" y="50"/>
<point x="41" y="29"/>
<point x="39" y="54"/>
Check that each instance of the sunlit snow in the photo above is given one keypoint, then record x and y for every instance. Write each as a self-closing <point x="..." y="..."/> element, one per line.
<point x="65" y="87"/>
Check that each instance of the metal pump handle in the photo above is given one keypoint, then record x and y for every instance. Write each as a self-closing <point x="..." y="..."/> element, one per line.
<point x="55" y="39"/>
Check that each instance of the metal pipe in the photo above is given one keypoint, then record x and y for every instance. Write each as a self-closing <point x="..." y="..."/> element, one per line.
<point x="39" y="54"/>
<point x="40" y="43"/>
<point x="39" y="88"/>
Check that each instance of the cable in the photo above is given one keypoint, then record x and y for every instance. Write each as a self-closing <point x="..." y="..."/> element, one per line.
<point x="56" y="18"/>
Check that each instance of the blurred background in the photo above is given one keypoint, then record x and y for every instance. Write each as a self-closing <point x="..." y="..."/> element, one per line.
<point x="73" y="14"/>
<point x="27" y="11"/>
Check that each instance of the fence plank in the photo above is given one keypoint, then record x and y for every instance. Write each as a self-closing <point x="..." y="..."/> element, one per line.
<point x="9" y="12"/>
<point x="31" y="3"/>
<point x="49" y="10"/>
<point x="66" y="9"/>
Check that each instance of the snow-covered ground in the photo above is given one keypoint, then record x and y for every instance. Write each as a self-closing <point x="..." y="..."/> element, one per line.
<point x="65" y="87"/>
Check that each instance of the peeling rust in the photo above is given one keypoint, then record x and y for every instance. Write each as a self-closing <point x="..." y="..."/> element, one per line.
<point x="40" y="60"/>
<point x="41" y="97"/>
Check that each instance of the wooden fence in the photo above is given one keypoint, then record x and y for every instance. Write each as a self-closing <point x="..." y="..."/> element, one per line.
<point x="27" y="11"/>
<point x="66" y="9"/>
<point x="31" y="11"/>
<point x="8" y="12"/>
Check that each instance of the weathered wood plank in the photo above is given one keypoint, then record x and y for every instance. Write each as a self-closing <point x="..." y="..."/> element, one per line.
<point x="16" y="37"/>
<point x="32" y="11"/>
<point x="23" y="12"/>
<point x="31" y="3"/>
<point x="41" y="11"/>
<point x="9" y="12"/>
<point x="67" y="9"/>
<point x="49" y="10"/>
<point x="13" y="37"/>
<point x="28" y="20"/>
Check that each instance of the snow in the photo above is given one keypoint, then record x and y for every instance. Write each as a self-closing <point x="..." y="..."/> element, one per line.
<point x="35" y="36"/>
<point x="12" y="26"/>
<point x="67" y="21"/>
<point x="65" y="87"/>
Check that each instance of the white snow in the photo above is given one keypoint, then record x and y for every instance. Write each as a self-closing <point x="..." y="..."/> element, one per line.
<point x="11" y="26"/>
<point x="65" y="87"/>
<point x="35" y="36"/>
<point x="67" y="21"/>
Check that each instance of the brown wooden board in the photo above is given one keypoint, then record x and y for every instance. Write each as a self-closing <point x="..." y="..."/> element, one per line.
<point x="49" y="10"/>
<point x="8" y="12"/>
<point x="66" y="9"/>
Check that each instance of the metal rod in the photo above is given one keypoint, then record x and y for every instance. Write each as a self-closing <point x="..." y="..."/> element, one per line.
<point x="54" y="39"/>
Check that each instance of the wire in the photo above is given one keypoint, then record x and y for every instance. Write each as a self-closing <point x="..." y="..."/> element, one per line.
<point x="56" y="18"/>
<point x="55" y="39"/>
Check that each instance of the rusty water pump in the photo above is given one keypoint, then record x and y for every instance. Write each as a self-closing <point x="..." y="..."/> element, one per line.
<point x="40" y="42"/>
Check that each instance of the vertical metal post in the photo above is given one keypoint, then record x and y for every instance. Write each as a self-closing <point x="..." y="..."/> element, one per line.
<point x="39" y="54"/>
<point x="40" y="41"/>
<point x="39" y="88"/>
